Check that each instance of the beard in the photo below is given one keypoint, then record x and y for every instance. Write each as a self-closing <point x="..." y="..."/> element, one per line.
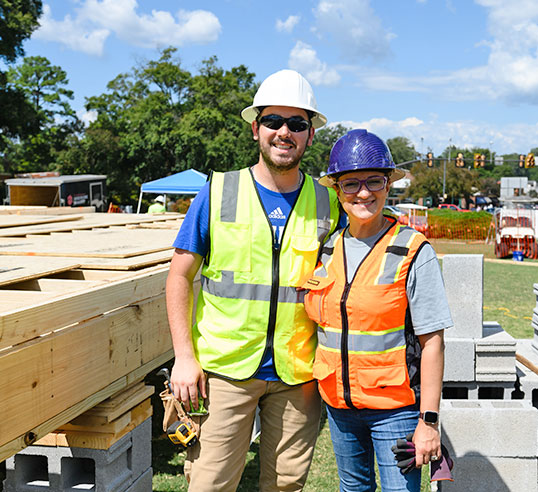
<point x="281" y="166"/>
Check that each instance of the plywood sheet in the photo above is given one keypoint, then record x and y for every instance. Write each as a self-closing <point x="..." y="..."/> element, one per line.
<point x="18" y="268"/>
<point x="87" y="221"/>
<point x="43" y="210"/>
<point x="131" y="263"/>
<point x="25" y="220"/>
<point x="108" y="242"/>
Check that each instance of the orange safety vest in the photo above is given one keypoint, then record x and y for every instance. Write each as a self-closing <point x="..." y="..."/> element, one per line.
<point x="368" y="355"/>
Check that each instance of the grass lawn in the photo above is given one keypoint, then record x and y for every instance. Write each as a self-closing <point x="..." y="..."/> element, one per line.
<point x="508" y="299"/>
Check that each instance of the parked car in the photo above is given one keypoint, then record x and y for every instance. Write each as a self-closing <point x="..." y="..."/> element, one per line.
<point x="393" y="210"/>
<point x="451" y="206"/>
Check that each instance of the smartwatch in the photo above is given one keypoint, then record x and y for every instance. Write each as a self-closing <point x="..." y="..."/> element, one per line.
<point x="429" y="417"/>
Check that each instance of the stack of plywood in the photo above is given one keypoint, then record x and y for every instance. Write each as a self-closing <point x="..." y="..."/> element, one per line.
<point x="82" y="318"/>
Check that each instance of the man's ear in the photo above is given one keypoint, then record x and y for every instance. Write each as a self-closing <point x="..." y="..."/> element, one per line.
<point x="311" y="136"/>
<point x="254" y="126"/>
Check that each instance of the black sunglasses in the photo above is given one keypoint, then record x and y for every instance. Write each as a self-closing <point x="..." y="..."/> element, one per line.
<point x="295" y="124"/>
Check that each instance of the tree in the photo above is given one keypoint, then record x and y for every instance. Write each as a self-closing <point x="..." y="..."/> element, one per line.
<point x="161" y="119"/>
<point x="18" y="19"/>
<point x="43" y="86"/>
<point x="402" y="149"/>
<point x="316" y="158"/>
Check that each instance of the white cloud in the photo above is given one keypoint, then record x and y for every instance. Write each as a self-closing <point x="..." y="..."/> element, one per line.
<point x="354" y="27"/>
<point x="87" y="117"/>
<point x="304" y="59"/>
<point x="95" y="20"/>
<point x="438" y="135"/>
<point x="72" y="33"/>
<point x="288" y="24"/>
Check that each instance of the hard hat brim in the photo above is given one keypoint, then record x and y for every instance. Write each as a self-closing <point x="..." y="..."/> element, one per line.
<point x="250" y="113"/>
<point x="329" y="181"/>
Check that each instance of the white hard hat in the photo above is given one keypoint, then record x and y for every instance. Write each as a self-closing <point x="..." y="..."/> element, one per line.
<point x="160" y="198"/>
<point x="285" y="88"/>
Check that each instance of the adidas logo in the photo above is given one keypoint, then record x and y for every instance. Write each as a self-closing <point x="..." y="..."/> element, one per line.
<point x="277" y="214"/>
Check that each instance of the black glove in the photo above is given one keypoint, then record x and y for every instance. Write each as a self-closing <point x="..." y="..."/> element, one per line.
<point x="404" y="453"/>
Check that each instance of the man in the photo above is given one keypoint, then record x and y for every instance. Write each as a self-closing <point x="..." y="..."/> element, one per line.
<point x="256" y="234"/>
<point x="158" y="206"/>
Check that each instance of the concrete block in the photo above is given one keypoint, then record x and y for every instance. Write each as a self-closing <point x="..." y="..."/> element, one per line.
<point x="61" y="468"/>
<point x="464" y="277"/>
<point x="495" y="355"/>
<point x="142" y="483"/>
<point x="492" y="428"/>
<point x="459" y="360"/>
<point x="141" y="447"/>
<point x="484" y="474"/>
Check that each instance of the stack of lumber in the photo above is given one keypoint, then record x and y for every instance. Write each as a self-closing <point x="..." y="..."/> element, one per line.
<point x="82" y="318"/>
<point x="106" y="423"/>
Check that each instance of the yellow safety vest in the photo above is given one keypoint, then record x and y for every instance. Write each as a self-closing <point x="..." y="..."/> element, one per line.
<point x="248" y="302"/>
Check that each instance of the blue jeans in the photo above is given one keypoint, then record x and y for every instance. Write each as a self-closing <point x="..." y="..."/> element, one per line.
<point x="356" y="434"/>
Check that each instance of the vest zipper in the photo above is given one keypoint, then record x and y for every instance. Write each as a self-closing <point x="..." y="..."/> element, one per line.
<point x="344" y="346"/>
<point x="273" y="304"/>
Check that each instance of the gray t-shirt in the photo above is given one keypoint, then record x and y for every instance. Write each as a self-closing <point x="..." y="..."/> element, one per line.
<point x="425" y="287"/>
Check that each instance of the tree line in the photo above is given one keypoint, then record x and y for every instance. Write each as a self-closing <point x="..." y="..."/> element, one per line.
<point x="156" y="120"/>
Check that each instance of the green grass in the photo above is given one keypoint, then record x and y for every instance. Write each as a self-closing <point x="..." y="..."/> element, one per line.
<point x="508" y="299"/>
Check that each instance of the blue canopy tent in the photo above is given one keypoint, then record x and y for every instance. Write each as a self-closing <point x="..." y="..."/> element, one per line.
<point x="187" y="182"/>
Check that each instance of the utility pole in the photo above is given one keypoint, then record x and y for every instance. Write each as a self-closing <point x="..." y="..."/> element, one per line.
<point x="444" y="169"/>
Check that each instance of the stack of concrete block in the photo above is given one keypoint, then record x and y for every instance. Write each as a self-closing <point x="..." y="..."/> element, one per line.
<point x="493" y="443"/>
<point x="489" y="421"/>
<point x="124" y="467"/>
<point x="480" y="356"/>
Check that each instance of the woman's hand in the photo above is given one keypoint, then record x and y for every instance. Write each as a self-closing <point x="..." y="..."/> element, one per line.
<point x="427" y="443"/>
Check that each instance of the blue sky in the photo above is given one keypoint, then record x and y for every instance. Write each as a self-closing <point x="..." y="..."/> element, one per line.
<point x="435" y="71"/>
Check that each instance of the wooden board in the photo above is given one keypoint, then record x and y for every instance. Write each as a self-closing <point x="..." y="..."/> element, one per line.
<point x="18" y="268"/>
<point x="87" y="222"/>
<point x="43" y="210"/>
<point x="131" y="263"/>
<point x="31" y="434"/>
<point x="22" y="324"/>
<point x="111" y="242"/>
<point x="97" y="439"/>
<point x="43" y="378"/>
<point x="25" y="220"/>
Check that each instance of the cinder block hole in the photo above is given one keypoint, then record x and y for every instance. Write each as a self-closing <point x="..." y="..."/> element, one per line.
<point x="31" y="470"/>
<point x="535" y="398"/>
<point x="517" y="394"/>
<point x="455" y="393"/>
<point x="78" y="474"/>
<point x="490" y="393"/>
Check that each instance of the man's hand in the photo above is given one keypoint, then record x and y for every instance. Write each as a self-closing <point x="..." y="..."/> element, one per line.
<point x="427" y="443"/>
<point x="187" y="379"/>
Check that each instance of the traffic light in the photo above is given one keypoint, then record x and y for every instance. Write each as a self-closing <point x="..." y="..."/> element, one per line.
<point x="521" y="160"/>
<point x="529" y="160"/>
<point x="482" y="160"/>
<point x="429" y="161"/>
<point x="476" y="161"/>
<point x="459" y="160"/>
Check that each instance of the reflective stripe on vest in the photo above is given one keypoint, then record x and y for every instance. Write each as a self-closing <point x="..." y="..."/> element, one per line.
<point x="242" y="310"/>
<point x="363" y="342"/>
<point x="361" y="355"/>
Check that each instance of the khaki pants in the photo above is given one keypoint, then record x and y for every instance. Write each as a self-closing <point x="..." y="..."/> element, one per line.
<point x="289" y="418"/>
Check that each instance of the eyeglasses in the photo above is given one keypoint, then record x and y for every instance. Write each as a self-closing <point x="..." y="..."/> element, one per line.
<point x="354" y="185"/>
<point x="295" y="124"/>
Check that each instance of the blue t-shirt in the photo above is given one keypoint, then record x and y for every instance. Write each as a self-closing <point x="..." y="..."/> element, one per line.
<point x="193" y="236"/>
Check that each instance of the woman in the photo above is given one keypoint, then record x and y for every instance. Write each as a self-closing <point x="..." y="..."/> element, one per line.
<point x="378" y="297"/>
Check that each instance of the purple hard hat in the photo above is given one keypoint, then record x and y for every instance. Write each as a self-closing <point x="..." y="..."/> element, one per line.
<point x="359" y="150"/>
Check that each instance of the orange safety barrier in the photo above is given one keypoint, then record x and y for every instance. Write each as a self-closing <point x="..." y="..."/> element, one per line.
<point x="467" y="229"/>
